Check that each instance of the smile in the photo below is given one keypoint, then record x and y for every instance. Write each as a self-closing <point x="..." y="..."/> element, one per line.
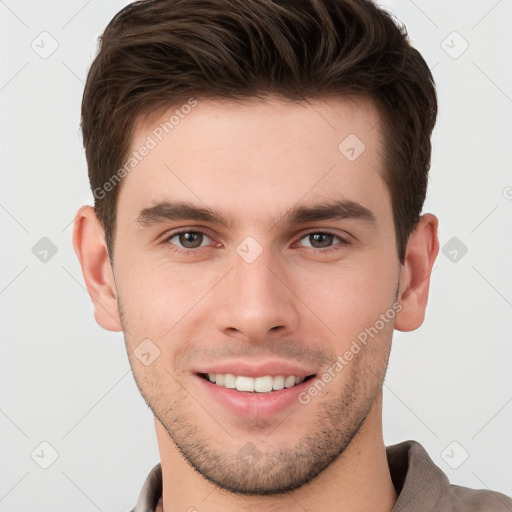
<point x="264" y="384"/>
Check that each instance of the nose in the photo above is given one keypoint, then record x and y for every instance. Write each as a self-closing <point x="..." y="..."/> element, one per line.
<point x="256" y="300"/>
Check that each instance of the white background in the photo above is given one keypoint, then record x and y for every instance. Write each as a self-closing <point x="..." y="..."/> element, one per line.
<point x="65" y="381"/>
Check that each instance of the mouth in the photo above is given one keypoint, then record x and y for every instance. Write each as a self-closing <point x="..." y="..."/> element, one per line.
<point x="254" y="388"/>
<point x="254" y="385"/>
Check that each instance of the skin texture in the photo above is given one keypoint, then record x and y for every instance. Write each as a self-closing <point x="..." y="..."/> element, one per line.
<point x="300" y="300"/>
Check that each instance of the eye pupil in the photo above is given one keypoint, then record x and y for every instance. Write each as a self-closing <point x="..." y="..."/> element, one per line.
<point x="191" y="240"/>
<point x="321" y="239"/>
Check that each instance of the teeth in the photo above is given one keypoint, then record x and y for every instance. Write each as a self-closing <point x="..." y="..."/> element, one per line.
<point x="289" y="382"/>
<point x="245" y="383"/>
<point x="278" y="383"/>
<point x="230" y="381"/>
<point x="259" y="384"/>
<point x="263" y="384"/>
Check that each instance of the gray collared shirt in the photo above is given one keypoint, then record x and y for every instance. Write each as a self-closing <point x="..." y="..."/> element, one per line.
<point x="421" y="486"/>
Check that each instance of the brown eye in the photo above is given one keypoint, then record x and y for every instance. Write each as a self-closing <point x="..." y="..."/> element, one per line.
<point x="189" y="239"/>
<point x="321" y="240"/>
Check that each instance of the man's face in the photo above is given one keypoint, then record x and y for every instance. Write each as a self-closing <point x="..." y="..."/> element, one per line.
<point x="296" y="259"/>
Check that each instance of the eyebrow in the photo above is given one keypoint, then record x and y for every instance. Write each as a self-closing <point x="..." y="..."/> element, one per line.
<point x="179" y="210"/>
<point x="337" y="210"/>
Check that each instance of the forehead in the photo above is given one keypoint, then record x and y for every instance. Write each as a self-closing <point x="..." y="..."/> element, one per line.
<point x="255" y="157"/>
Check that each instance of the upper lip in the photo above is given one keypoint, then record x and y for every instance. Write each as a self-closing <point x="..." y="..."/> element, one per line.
<point x="251" y="369"/>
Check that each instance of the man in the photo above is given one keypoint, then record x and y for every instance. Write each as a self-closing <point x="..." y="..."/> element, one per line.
<point x="259" y="169"/>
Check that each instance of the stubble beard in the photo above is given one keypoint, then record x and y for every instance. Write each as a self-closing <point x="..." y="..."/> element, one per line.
<point x="340" y="411"/>
<point x="245" y="468"/>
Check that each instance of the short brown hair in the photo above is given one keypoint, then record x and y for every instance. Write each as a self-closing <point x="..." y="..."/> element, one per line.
<point x="155" y="54"/>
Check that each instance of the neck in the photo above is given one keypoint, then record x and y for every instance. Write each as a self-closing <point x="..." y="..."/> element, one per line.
<point x="358" y="480"/>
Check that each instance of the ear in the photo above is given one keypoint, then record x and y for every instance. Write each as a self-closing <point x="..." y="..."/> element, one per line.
<point x="91" y="249"/>
<point x="421" y="252"/>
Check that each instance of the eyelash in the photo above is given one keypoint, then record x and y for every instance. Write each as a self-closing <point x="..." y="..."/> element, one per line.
<point x="166" y="241"/>
<point x="342" y="242"/>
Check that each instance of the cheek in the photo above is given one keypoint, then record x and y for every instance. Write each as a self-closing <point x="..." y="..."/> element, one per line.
<point x="156" y="295"/>
<point x="348" y="297"/>
<point x="160" y="299"/>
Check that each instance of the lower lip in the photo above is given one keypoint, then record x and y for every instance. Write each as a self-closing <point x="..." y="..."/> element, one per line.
<point x="252" y="405"/>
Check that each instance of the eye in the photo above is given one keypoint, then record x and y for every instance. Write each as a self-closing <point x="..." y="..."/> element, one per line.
<point x="189" y="239"/>
<point x="321" y="240"/>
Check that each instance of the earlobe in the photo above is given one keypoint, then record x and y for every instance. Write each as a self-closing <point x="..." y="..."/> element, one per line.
<point x="421" y="252"/>
<point x="90" y="247"/>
